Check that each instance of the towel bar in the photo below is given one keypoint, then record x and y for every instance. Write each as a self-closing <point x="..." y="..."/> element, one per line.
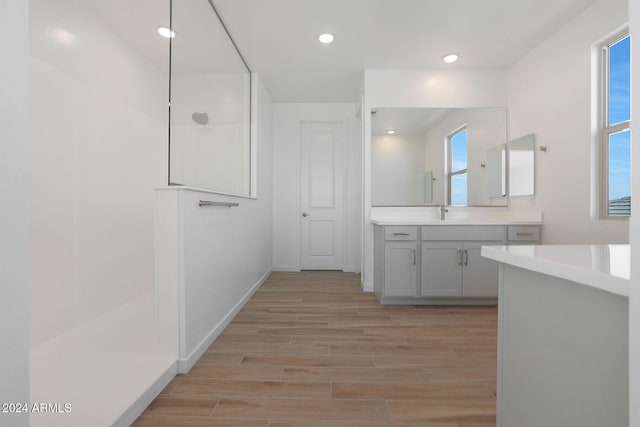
<point x="210" y="203"/>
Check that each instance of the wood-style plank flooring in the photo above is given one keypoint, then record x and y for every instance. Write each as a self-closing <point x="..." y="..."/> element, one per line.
<point x="311" y="349"/>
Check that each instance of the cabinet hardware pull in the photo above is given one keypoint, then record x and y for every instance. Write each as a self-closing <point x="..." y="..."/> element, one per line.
<point x="466" y="257"/>
<point x="524" y="234"/>
<point x="400" y="234"/>
<point x="459" y="256"/>
<point x="413" y="256"/>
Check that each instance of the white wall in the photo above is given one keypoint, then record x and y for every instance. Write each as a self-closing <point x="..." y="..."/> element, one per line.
<point x="14" y="276"/>
<point x="634" y="299"/>
<point x="398" y="165"/>
<point x="435" y="88"/>
<point x="287" y="119"/>
<point x="97" y="148"/>
<point x="550" y="96"/>
<point x="98" y="144"/>
<point x="438" y="88"/>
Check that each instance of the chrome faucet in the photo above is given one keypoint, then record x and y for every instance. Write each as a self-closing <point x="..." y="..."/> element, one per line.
<point x="443" y="209"/>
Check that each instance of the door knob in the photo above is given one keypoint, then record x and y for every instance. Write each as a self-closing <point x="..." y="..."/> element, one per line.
<point x="304" y="214"/>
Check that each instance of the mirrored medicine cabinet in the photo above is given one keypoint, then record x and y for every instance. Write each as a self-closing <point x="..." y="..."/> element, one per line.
<point x="522" y="166"/>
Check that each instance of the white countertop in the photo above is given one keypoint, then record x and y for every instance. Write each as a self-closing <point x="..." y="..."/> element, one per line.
<point x="455" y="215"/>
<point x="604" y="267"/>
<point x="461" y="221"/>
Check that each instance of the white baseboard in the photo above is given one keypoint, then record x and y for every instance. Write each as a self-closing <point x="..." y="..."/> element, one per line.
<point x="288" y="269"/>
<point x="185" y="364"/>
<point x="366" y="287"/>
<point x="138" y="407"/>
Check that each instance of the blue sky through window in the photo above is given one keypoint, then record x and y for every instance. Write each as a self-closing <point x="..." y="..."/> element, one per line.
<point x="620" y="81"/>
<point x="619" y="165"/>
<point x="619" y="111"/>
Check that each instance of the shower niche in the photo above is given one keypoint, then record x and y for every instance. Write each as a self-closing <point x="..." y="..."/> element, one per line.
<point x="210" y="103"/>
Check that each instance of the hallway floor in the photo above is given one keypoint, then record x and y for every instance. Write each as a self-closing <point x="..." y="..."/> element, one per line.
<point x="311" y="349"/>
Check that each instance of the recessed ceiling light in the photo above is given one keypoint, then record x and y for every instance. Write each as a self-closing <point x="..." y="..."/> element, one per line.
<point x="450" y="57"/>
<point x="166" y="32"/>
<point x="325" y="38"/>
<point x="391" y="132"/>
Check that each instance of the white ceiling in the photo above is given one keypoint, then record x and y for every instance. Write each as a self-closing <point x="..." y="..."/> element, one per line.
<point x="278" y="38"/>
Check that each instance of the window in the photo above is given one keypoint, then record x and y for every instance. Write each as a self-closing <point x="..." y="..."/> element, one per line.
<point x="457" y="167"/>
<point x="616" y="134"/>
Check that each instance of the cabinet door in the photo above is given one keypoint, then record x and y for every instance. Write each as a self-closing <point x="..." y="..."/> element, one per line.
<point x="441" y="269"/>
<point x="400" y="269"/>
<point x="480" y="276"/>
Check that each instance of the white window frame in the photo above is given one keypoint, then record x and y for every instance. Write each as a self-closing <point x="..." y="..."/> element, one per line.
<point x="607" y="130"/>
<point x="450" y="172"/>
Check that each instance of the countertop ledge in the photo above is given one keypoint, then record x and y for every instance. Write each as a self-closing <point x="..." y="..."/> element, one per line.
<point x="604" y="267"/>
<point x="204" y="190"/>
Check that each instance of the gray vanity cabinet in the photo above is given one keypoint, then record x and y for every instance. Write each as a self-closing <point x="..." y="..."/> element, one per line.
<point x="480" y="275"/>
<point x="396" y="253"/>
<point x="523" y="234"/>
<point x="441" y="269"/>
<point x="456" y="269"/>
<point x="400" y="270"/>
<point x="441" y="264"/>
<point x="451" y="262"/>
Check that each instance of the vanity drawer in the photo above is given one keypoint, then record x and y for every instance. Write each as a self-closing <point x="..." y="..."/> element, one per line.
<point x="529" y="233"/>
<point x="464" y="232"/>
<point x="400" y="232"/>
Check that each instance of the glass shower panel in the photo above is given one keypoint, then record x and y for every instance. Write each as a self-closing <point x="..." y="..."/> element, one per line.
<point x="210" y="105"/>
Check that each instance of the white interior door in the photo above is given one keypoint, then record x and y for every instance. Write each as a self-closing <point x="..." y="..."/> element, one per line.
<point x="322" y="155"/>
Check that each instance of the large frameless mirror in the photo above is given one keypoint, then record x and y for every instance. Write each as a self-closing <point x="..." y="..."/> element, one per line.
<point x="433" y="156"/>
<point x="210" y="103"/>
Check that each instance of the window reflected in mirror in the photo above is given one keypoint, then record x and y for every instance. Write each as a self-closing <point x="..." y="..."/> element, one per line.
<point x="436" y="155"/>
<point x="457" y="167"/>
